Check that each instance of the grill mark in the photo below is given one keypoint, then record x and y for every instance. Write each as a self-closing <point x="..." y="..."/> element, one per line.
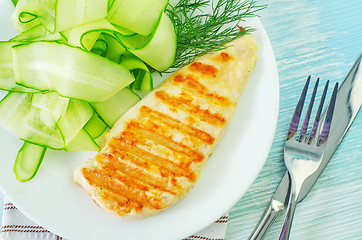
<point x="203" y="68"/>
<point x="119" y="203"/>
<point x="173" y="133"/>
<point x="123" y="144"/>
<point x="223" y="57"/>
<point x="142" y="134"/>
<point x="135" y="168"/>
<point x="194" y="86"/>
<point x="186" y="105"/>
<point x="125" y="179"/>
<point x="112" y="181"/>
<point x="174" y="123"/>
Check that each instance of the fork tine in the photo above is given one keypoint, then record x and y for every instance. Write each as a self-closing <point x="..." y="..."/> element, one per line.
<point x="307" y="116"/>
<point x="298" y="110"/>
<point x="328" y="120"/>
<point x="318" y="114"/>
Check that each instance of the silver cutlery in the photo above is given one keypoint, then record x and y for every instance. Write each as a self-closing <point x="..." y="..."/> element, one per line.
<point x="303" y="155"/>
<point x="348" y="103"/>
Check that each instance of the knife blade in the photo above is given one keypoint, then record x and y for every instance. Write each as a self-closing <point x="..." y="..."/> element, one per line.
<point x="348" y="103"/>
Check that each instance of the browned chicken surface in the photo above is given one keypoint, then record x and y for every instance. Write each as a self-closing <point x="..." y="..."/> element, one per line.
<point x="155" y="152"/>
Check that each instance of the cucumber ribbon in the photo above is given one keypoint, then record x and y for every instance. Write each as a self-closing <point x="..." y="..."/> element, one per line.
<point x="72" y="62"/>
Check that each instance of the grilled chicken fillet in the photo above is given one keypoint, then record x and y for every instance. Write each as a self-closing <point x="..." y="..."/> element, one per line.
<point x="155" y="152"/>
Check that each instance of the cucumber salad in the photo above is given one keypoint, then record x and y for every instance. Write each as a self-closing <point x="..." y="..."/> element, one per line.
<point x="77" y="65"/>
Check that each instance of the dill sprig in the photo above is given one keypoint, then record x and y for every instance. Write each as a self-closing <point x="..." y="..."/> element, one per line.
<point x="199" y="32"/>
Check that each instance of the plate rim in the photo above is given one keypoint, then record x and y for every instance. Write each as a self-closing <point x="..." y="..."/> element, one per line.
<point x="230" y="203"/>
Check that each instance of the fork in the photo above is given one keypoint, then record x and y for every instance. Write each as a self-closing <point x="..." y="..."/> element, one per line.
<point x="303" y="154"/>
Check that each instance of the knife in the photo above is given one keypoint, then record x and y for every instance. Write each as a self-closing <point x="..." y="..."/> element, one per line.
<point x="348" y="103"/>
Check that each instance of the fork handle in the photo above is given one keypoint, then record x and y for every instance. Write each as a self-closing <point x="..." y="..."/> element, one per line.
<point x="287" y="224"/>
<point x="265" y="221"/>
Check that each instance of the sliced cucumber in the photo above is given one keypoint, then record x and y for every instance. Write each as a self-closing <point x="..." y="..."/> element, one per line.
<point x="100" y="140"/>
<point x="95" y="126"/>
<point x="137" y="16"/>
<point x="82" y="142"/>
<point x="57" y="15"/>
<point x="100" y="46"/>
<point x="157" y="49"/>
<point x="14" y="2"/>
<point x="22" y="119"/>
<point x="31" y="34"/>
<point x="7" y="80"/>
<point x="28" y="161"/>
<point x="27" y="122"/>
<point x="86" y="35"/>
<point x="37" y="33"/>
<point x="114" y="107"/>
<point x="71" y="13"/>
<point x="74" y="119"/>
<point x="71" y="68"/>
<point x="114" y="49"/>
<point x="69" y="71"/>
<point x="143" y="78"/>
<point x="31" y="13"/>
<point x="52" y="105"/>
<point x="162" y="41"/>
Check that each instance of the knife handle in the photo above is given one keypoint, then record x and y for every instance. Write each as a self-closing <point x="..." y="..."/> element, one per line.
<point x="268" y="217"/>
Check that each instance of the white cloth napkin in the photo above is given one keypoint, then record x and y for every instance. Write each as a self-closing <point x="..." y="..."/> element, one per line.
<point x="16" y="226"/>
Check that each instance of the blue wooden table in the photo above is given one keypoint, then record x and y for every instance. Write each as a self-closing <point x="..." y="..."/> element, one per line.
<point x="322" y="39"/>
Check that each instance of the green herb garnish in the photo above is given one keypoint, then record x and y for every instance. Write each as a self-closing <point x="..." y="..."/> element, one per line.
<point x="199" y="32"/>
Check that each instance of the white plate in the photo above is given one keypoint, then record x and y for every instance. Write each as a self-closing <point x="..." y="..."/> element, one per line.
<point x="52" y="199"/>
